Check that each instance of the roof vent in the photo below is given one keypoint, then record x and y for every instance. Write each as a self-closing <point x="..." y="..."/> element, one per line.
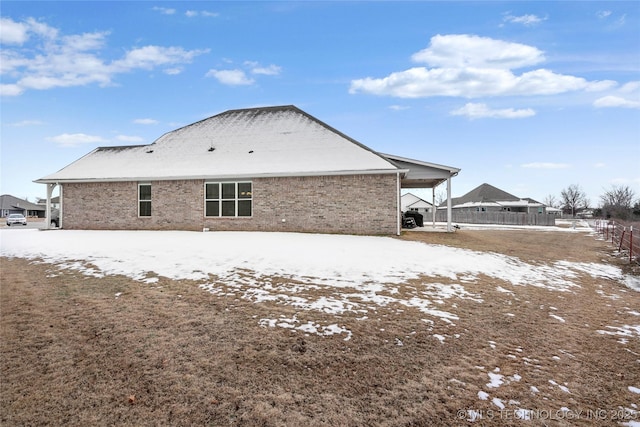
<point x="250" y="151"/>
<point x="149" y="151"/>
<point x="211" y="149"/>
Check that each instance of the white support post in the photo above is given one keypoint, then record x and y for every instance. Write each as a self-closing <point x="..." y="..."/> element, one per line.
<point x="449" y="228"/>
<point x="433" y="206"/>
<point x="47" y="214"/>
<point x="398" y="203"/>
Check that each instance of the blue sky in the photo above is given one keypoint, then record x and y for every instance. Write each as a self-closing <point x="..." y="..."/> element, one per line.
<point x="530" y="97"/>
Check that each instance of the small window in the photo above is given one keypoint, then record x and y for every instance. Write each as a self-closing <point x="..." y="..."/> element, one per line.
<point x="144" y="199"/>
<point x="228" y="199"/>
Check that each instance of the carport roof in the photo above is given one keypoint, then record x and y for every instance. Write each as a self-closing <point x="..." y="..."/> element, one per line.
<point x="421" y="174"/>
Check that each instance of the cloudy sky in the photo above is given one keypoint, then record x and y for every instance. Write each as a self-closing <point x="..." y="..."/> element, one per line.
<point x="530" y="97"/>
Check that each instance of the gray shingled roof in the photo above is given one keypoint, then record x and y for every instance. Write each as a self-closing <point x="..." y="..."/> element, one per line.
<point x="9" y="202"/>
<point x="484" y="193"/>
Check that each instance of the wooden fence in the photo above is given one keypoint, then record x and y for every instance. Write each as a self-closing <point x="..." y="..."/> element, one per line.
<point x="504" y="218"/>
<point x="620" y="236"/>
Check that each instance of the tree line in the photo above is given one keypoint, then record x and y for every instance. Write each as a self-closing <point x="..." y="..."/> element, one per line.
<point x="619" y="201"/>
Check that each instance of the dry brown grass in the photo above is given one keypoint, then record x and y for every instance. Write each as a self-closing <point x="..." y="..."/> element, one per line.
<point x="172" y="354"/>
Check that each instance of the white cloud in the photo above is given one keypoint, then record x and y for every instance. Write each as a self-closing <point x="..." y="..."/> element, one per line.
<point x="231" y="77"/>
<point x="256" y="68"/>
<point x="10" y="90"/>
<point x="13" y="32"/>
<point x="174" y="71"/>
<point x="599" y="165"/>
<point x="45" y="60"/>
<point x="630" y="87"/>
<point x="145" y="122"/>
<point x="481" y="111"/>
<point x="462" y="51"/>
<point x="603" y="14"/>
<point x="194" y="13"/>
<point x="76" y="139"/>
<point x="545" y="165"/>
<point x="471" y="67"/>
<point x="164" y="10"/>
<point x="615" y="101"/>
<point x="398" y="107"/>
<point x="148" y="57"/>
<point x="527" y="20"/>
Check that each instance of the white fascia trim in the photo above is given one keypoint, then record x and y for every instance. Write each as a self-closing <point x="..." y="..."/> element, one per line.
<point x="226" y="177"/>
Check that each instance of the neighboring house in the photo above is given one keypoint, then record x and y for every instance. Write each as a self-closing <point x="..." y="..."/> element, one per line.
<point x="13" y="205"/>
<point x="553" y="211"/>
<point x="487" y="198"/>
<point x="411" y="202"/>
<point x="259" y="169"/>
<point x="55" y="202"/>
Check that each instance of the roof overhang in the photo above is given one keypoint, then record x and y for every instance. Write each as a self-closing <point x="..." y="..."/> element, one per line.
<point x="223" y="177"/>
<point x="421" y="174"/>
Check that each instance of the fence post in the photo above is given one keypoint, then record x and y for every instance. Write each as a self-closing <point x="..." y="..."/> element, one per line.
<point x="624" y="231"/>
<point x="630" y="243"/>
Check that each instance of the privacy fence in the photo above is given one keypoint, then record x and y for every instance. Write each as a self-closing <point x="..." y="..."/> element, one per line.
<point x="622" y="236"/>
<point x="505" y="218"/>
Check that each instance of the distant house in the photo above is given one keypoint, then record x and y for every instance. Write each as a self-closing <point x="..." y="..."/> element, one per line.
<point x="487" y="204"/>
<point x="487" y="198"/>
<point x="411" y="202"/>
<point x="13" y="205"/>
<point x="55" y="202"/>
<point x="257" y="169"/>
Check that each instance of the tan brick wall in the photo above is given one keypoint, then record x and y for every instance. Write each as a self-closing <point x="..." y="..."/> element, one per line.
<point x="353" y="204"/>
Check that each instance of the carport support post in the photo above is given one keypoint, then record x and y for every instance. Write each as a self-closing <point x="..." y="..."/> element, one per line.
<point x="47" y="218"/>
<point x="433" y="206"/>
<point x="449" y="228"/>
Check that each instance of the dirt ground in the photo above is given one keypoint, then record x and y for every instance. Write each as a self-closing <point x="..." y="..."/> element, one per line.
<point x="79" y="350"/>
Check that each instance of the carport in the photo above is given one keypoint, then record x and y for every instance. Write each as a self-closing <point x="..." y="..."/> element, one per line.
<point x="425" y="175"/>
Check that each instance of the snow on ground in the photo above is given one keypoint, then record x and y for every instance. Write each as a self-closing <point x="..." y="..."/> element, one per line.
<point x="355" y="274"/>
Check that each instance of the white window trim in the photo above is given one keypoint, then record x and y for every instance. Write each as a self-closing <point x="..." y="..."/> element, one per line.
<point x="140" y="200"/>
<point x="220" y="199"/>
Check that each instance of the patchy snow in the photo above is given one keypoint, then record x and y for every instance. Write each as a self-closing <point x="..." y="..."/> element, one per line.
<point x="331" y="274"/>
<point x="557" y="318"/>
<point x="634" y="389"/>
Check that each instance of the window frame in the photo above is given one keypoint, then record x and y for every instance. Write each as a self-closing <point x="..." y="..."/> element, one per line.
<point x="141" y="200"/>
<point x="221" y="199"/>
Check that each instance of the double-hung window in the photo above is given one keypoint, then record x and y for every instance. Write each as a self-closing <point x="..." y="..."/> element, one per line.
<point x="228" y="199"/>
<point x="144" y="199"/>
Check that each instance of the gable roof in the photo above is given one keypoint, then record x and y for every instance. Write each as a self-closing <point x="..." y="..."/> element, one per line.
<point x="8" y="202"/>
<point x="485" y="193"/>
<point x="409" y="200"/>
<point x="254" y="142"/>
<point x="488" y="195"/>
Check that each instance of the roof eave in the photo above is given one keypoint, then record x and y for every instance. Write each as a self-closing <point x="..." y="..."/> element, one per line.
<point x="46" y="180"/>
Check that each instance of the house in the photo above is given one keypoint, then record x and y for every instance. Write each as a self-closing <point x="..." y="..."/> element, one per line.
<point x="487" y="198"/>
<point x="55" y="202"/>
<point x="487" y="204"/>
<point x="256" y="169"/>
<point x="411" y="202"/>
<point x="13" y="205"/>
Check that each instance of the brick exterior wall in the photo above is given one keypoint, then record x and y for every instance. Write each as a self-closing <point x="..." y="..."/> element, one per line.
<point x="350" y="204"/>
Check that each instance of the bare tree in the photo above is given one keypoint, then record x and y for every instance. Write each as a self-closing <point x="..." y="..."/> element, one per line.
<point x="618" y="201"/>
<point x="551" y="201"/>
<point x="441" y="196"/>
<point x="574" y="198"/>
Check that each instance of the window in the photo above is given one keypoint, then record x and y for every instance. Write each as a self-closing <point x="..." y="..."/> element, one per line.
<point x="144" y="199"/>
<point x="227" y="199"/>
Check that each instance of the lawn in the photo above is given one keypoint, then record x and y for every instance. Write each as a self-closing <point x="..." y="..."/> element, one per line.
<point x="477" y="327"/>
